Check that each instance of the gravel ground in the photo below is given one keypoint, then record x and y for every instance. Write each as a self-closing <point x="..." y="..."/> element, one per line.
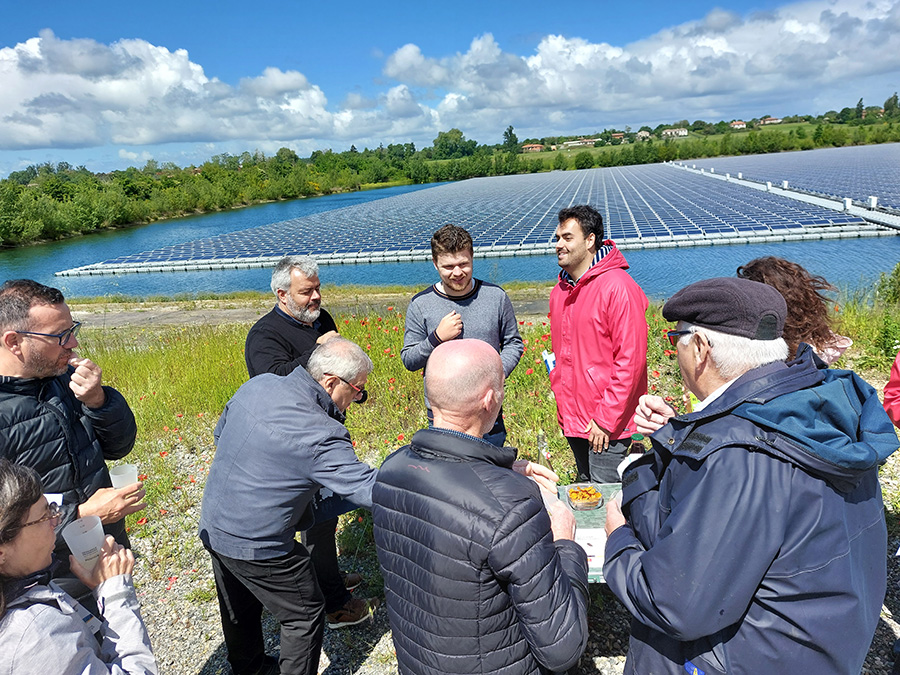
<point x="175" y="585"/>
<point x="179" y="604"/>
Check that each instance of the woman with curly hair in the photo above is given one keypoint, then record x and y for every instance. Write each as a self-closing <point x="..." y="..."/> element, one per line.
<point x="42" y="628"/>
<point x="807" y="319"/>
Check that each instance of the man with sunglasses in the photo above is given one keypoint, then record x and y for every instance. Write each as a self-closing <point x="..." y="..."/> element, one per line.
<point x="279" y="441"/>
<point x="58" y="418"/>
<point x="751" y="538"/>
<point x="279" y="342"/>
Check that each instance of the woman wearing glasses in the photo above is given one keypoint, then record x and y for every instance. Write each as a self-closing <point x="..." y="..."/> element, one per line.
<point x="42" y="628"/>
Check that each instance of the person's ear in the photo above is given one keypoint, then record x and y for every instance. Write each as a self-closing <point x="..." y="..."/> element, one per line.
<point x="329" y="383"/>
<point x="11" y="341"/>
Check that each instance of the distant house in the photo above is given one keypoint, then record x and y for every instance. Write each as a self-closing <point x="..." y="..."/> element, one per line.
<point x="770" y="120"/>
<point x="618" y="135"/>
<point x="532" y="147"/>
<point x="643" y="135"/>
<point x="674" y="133"/>
<point x="580" y="143"/>
<point x="738" y="124"/>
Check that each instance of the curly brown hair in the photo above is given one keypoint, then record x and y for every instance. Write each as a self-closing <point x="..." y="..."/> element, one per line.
<point x="807" y="318"/>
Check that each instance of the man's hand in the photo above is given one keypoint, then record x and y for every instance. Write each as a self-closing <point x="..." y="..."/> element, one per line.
<point x="598" y="437"/>
<point x="614" y="516"/>
<point x="544" y="477"/>
<point x="85" y="382"/>
<point x="112" y="504"/>
<point x="325" y="337"/>
<point x="652" y="413"/>
<point x="450" y="327"/>
<point x="562" y="521"/>
<point x="114" y="560"/>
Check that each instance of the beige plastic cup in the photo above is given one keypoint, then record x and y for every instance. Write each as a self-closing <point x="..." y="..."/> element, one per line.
<point x="123" y="475"/>
<point x="85" y="538"/>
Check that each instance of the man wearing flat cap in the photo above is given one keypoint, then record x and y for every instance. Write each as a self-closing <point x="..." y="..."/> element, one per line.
<point x="751" y="538"/>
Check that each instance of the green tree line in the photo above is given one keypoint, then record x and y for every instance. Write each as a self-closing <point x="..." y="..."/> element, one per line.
<point x="45" y="202"/>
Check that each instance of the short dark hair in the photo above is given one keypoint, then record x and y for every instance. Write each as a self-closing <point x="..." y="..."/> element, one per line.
<point x="18" y="296"/>
<point x="450" y="239"/>
<point x="588" y="217"/>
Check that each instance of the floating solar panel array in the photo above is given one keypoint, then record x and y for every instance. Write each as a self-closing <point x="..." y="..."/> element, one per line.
<point x="857" y="173"/>
<point x="643" y="207"/>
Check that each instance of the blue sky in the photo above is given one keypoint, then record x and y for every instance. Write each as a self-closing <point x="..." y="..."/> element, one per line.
<point x="108" y="87"/>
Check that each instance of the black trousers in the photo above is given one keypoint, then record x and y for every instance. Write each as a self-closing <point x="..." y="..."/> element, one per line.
<point x="287" y="587"/>
<point x="599" y="467"/>
<point x="319" y="541"/>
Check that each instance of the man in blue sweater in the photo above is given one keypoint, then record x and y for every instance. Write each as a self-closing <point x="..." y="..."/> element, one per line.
<point x="460" y="306"/>
<point x="279" y="440"/>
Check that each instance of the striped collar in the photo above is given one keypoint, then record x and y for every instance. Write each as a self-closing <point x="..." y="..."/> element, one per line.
<point x="602" y="252"/>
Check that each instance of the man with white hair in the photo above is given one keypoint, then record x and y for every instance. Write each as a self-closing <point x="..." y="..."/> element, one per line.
<point x="278" y="442"/>
<point x="480" y="575"/>
<point x="751" y="538"/>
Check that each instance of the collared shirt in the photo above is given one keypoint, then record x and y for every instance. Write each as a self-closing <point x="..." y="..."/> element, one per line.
<point x="601" y="253"/>
<point x="713" y="396"/>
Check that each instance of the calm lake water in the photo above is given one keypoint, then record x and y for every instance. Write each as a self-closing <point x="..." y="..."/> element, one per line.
<point x="848" y="264"/>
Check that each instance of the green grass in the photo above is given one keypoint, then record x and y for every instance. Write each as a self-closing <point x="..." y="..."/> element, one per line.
<point x="178" y="379"/>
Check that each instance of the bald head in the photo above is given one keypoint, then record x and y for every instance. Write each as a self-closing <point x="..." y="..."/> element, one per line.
<point x="464" y="381"/>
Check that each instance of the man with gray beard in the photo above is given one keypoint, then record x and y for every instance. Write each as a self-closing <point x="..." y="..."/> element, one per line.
<point x="285" y="337"/>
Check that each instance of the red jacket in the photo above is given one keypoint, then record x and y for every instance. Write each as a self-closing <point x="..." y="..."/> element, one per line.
<point x="599" y="333"/>
<point x="892" y="393"/>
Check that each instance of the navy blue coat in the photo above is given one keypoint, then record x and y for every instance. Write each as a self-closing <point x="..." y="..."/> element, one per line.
<point x="473" y="580"/>
<point x="756" y="540"/>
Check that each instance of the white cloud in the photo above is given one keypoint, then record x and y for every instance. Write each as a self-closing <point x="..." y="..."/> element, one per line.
<point x="803" y="57"/>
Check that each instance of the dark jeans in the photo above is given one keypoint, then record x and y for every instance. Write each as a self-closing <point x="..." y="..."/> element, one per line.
<point x="599" y="467"/>
<point x="286" y="586"/>
<point x="319" y="541"/>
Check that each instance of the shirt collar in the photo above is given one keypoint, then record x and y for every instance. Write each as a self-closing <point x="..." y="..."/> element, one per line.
<point x="601" y="253"/>
<point x="713" y="396"/>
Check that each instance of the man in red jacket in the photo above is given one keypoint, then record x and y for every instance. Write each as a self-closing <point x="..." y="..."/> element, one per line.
<point x="599" y="329"/>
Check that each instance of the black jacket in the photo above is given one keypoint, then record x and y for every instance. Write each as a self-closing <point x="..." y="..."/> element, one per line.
<point x="473" y="579"/>
<point x="278" y="343"/>
<point x="43" y="425"/>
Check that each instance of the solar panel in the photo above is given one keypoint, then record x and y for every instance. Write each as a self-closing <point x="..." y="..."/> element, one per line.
<point x="643" y="206"/>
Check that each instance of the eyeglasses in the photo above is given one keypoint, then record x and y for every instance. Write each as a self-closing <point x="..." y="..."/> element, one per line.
<point x="53" y="512"/>
<point x="674" y="335"/>
<point x="360" y="395"/>
<point x="63" y="337"/>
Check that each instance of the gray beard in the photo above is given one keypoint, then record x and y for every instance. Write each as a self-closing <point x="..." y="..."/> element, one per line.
<point x="302" y="314"/>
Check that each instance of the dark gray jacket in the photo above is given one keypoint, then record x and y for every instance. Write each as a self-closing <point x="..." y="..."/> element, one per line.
<point x="278" y="441"/>
<point x="473" y="579"/>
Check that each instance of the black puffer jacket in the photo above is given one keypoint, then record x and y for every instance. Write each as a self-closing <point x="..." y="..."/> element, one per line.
<point x="473" y="580"/>
<point x="43" y="425"/>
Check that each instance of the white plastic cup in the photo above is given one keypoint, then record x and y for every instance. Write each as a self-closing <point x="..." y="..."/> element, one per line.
<point x="123" y="475"/>
<point x="85" y="538"/>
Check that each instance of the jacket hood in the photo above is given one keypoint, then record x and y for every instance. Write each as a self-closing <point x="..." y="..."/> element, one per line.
<point x="828" y="422"/>
<point x="612" y="260"/>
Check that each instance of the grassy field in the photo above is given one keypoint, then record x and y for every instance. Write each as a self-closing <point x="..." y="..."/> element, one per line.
<point x="178" y="379"/>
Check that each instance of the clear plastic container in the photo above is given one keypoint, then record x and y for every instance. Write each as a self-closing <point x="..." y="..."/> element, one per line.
<point x="584" y="496"/>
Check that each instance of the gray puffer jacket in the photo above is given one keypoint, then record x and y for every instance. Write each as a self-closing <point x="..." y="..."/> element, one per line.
<point x="473" y="579"/>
